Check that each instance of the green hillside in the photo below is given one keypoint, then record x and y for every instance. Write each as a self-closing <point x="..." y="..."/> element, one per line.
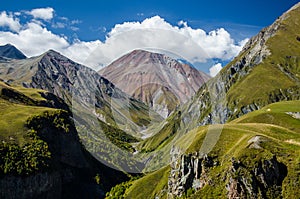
<point x="277" y="136"/>
<point x="280" y="71"/>
<point x="14" y="112"/>
<point x="267" y="70"/>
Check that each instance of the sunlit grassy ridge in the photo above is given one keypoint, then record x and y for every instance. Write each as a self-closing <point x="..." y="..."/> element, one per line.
<point x="280" y="70"/>
<point x="279" y="132"/>
<point x="15" y="111"/>
<point x="22" y="151"/>
<point x="278" y="113"/>
<point x="257" y="84"/>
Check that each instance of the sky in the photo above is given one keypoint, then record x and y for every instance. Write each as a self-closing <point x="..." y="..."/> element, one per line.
<point x="207" y="34"/>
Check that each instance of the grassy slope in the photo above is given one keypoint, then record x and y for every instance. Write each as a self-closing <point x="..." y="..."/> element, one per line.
<point x="274" y="114"/>
<point x="13" y="118"/>
<point x="27" y="152"/>
<point x="22" y="151"/>
<point x="282" y="138"/>
<point x="263" y="82"/>
<point x="150" y="185"/>
<point x="163" y="136"/>
<point x="14" y="113"/>
<point x="267" y="76"/>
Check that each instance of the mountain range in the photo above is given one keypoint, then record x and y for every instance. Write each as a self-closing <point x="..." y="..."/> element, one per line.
<point x="149" y="126"/>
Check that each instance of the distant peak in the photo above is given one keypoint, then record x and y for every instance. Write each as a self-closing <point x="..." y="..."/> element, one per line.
<point x="139" y="51"/>
<point x="142" y="51"/>
<point x="9" y="45"/>
<point x="51" y="51"/>
<point x="10" y="51"/>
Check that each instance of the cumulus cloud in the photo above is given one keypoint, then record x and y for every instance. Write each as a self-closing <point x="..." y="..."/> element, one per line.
<point x="182" y="23"/>
<point x="34" y="39"/>
<point x="215" y="69"/>
<point x="9" y="21"/>
<point x="42" y="13"/>
<point x="194" y="45"/>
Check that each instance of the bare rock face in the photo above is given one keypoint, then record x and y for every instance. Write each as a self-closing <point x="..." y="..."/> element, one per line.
<point x="264" y="181"/>
<point x="188" y="172"/>
<point x="156" y="79"/>
<point x="193" y="171"/>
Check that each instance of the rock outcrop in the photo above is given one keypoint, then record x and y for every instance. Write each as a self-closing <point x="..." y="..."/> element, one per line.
<point x="263" y="181"/>
<point x="192" y="172"/>
<point x="188" y="172"/>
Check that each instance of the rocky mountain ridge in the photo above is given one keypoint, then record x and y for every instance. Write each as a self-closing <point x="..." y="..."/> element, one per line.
<point x="110" y="117"/>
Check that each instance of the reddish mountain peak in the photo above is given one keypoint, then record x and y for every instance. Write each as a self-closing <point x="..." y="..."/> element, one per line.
<point x="139" y="73"/>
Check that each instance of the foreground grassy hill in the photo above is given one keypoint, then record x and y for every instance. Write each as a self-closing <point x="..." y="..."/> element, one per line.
<point x="259" y="153"/>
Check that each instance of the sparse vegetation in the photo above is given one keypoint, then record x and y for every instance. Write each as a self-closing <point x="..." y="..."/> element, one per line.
<point x="118" y="137"/>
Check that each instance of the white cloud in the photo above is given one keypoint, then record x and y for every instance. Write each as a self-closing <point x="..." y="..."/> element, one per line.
<point x="42" y="13"/>
<point x="33" y="39"/>
<point x="58" y="25"/>
<point x="215" y="69"/>
<point x="182" y="23"/>
<point x="9" y="21"/>
<point x="243" y="42"/>
<point x="195" y="45"/>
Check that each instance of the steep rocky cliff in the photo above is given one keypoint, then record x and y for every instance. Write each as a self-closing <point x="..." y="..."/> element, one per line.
<point x="188" y="172"/>
<point x="263" y="181"/>
<point x="192" y="172"/>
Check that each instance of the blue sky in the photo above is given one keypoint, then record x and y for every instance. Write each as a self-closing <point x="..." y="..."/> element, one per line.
<point x="87" y="22"/>
<point x="249" y="16"/>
